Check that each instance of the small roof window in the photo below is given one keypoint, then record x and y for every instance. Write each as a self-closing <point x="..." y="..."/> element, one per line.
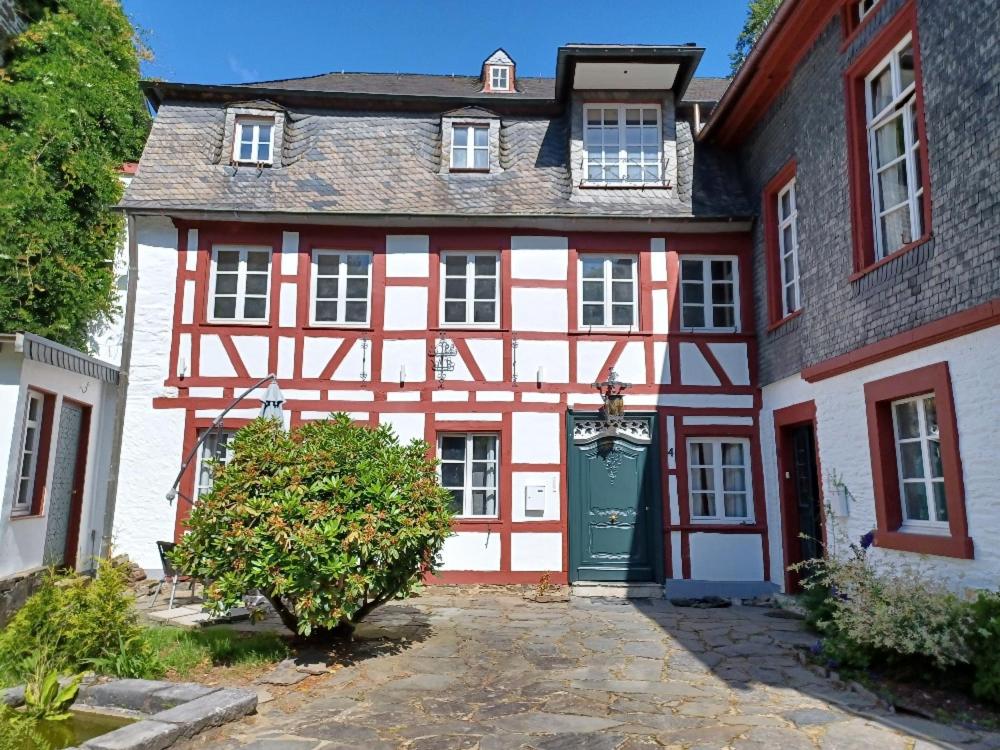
<point x="253" y="140"/>
<point x="498" y="73"/>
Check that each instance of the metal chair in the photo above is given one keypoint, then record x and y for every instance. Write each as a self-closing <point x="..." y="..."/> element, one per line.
<point x="169" y="571"/>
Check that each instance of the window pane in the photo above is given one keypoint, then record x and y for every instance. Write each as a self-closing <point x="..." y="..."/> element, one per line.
<point x="930" y="416"/>
<point x="327" y="288"/>
<point x="484" y="503"/>
<point x="486" y="288"/>
<point x="611" y="117"/>
<point x="693" y="293"/>
<point x="484" y="447"/>
<point x="459" y="158"/>
<point x="264" y="152"/>
<point x="264" y="134"/>
<point x="621" y="315"/>
<point x="461" y="137"/>
<point x="692" y="270"/>
<point x="722" y="294"/>
<point x="693" y="317"/>
<point x="482" y="159"/>
<point x="453" y="475"/>
<point x="454" y="288"/>
<point x="454" y="312"/>
<point x="357" y="288"/>
<point x="940" y="502"/>
<point x="621" y="268"/>
<point x="892" y="184"/>
<point x="896" y="229"/>
<point x="254" y="307"/>
<point x="915" y="501"/>
<point x="703" y="504"/>
<point x="734" y="480"/>
<point x="23" y="491"/>
<point x="327" y="264"/>
<point x="724" y="317"/>
<point x="593" y="315"/>
<point x="227" y="260"/>
<point x="456" y="502"/>
<point x="593" y="291"/>
<point x="326" y="312"/>
<point x="356" y="312"/>
<point x="621" y="292"/>
<point x="701" y="453"/>
<point x="453" y="448"/>
<point x="482" y="136"/>
<point x="889" y="141"/>
<point x="735" y="504"/>
<point x="33" y="408"/>
<point x="484" y="312"/>
<point x="702" y="479"/>
<point x="906" y="72"/>
<point x="785" y="204"/>
<point x="934" y="454"/>
<point x="722" y="270"/>
<point x="357" y="265"/>
<point x="256" y="284"/>
<point x="246" y="151"/>
<point x="732" y="454"/>
<point x="258" y="261"/>
<point x="486" y="265"/>
<point x="225" y="283"/>
<point x="225" y="307"/>
<point x="881" y="90"/>
<point x="907" y="424"/>
<point x="593" y="268"/>
<point x="454" y="265"/>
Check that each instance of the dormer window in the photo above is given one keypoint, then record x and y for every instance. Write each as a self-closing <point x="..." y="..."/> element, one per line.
<point x="470" y="147"/>
<point x="623" y="145"/>
<point x="499" y="78"/>
<point x="253" y="140"/>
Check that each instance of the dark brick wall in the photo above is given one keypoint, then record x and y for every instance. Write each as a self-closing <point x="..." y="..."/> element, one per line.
<point x="960" y="267"/>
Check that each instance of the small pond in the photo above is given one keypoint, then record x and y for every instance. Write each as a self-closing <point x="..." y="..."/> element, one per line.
<point x="80" y="727"/>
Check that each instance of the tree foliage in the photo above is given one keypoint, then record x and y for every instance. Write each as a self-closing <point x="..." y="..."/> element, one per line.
<point x="759" y="14"/>
<point x="70" y="114"/>
<point x="328" y="521"/>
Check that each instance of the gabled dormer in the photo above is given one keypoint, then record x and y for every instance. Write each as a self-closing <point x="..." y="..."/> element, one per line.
<point x="498" y="73"/>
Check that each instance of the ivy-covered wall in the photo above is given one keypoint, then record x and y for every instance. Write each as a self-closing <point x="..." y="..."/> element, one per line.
<point x="70" y="114"/>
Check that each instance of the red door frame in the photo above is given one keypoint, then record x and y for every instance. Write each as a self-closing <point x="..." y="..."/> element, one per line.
<point x="79" y="478"/>
<point x="785" y="419"/>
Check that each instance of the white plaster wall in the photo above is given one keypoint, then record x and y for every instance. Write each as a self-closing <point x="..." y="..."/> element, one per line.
<point x="547" y="479"/>
<point x="153" y="439"/>
<point x="661" y="362"/>
<point x="551" y="356"/>
<point x="472" y="550"/>
<point x="590" y="358"/>
<point x="407" y="255"/>
<point x="488" y="354"/>
<point x="726" y="557"/>
<point x="410" y="354"/>
<point x="733" y="358"/>
<point x="538" y="551"/>
<point x="405" y="308"/>
<point x="535" y="438"/>
<point x="316" y="354"/>
<point x="695" y="369"/>
<point x="631" y="365"/>
<point x="253" y="350"/>
<point x="842" y="438"/>
<point x="408" y="426"/>
<point x="539" y="257"/>
<point x="214" y="360"/>
<point x="538" y="309"/>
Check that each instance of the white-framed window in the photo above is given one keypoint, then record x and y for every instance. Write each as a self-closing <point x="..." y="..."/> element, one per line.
<point x="788" y="247"/>
<point x="341" y="288"/>
<point x="470" y="289"/>
<point x="897" y="182"/>
<point x="622" y="144"/>
<point x="470" y="147"/>
<point x="469" y="469"/>
<point x="216" y="450"/>
<point x="864" y="7"/>
<point x="709" y="293"/>
<point x="239" y="289"/>
<point x="609" y="291"/>
<point x="252" y="143"/>
<point x="28" y="460"/>
<point x="719" y="479"/>
<point x="918" y="462"/>
<point x="499" y="78"/>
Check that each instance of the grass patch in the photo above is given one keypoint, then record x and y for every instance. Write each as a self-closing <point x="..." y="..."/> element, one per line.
<point x="184" y="653"/>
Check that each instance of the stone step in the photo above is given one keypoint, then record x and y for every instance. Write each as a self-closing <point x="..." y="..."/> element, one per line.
<point x="613" y="590"/>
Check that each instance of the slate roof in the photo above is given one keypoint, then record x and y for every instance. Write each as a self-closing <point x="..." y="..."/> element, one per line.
<point x="376" y="162"/>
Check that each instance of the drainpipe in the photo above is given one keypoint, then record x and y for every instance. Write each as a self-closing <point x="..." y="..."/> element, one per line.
<point x="124" y="367"/>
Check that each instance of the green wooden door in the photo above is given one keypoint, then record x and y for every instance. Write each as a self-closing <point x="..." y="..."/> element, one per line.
<point x="614" y="501"/>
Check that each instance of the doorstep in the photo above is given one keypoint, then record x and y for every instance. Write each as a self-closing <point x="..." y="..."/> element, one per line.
<point x="616" y="590"/>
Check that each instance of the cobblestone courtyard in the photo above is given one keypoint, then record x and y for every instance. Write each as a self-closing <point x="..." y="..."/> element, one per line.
<point x="495" y="672"/>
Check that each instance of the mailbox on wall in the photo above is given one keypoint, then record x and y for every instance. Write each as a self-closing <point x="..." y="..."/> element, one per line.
<point x="534" y="500"/>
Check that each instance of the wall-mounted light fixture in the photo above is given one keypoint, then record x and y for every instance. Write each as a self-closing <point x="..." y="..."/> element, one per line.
<point x="402" y="375"/>
<point x="540" y="376"/>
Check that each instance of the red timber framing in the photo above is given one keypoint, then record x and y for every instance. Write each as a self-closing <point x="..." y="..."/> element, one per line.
<point x="879" y="395"/>
<point x="794" y="416"/>
<point x="378" y="398"/>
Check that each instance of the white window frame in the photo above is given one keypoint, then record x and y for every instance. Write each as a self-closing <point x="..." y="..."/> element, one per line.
<point x="864" y="8"/>
<point x="22" y="505"/>
<point x="467" y="488"/>
<point x="623" y="147"/>
<point x="241" y="282"/>
<point x="254" y="123"/>
<point x="924" y="438"/>
<point x="470" y="288"/>
<point x="209" y="452"/>
<point x="470" y="147"/>
<point x="707" y="282"/>
<point x="606" y="281"/>
<point x="903" y="105"/>
<point x="497" y="73"/>
<point x="786" y="253"/>
<point x="342" y="298"/>
<point x="718" y="490"/>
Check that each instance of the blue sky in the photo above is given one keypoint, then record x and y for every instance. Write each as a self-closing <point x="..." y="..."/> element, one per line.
<point x="227" y="41"/>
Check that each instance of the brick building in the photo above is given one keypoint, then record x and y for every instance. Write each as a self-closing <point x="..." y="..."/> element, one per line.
<point x="464" y="257"/>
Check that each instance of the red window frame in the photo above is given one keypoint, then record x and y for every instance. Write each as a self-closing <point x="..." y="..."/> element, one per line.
<point x="879" y="394"/>
<point x="772" y="246"/>
<point x="863" y="230"/>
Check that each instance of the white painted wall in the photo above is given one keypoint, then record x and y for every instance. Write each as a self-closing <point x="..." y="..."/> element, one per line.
<point x="539" y="309"/>
<point x="153" y="439"/>
<point x="539" y="257"/>
<point x="405" y="308"/>
<point x="726" y="557"/>
<point x="539" y="551"/>
<point x="551" y="356"/>
<point x="407" y="255"/>
<point x="536" y="438"/>
<point x="842" y="438"/>
<point x="472" y="550"/>
<point x="549" y="480"/>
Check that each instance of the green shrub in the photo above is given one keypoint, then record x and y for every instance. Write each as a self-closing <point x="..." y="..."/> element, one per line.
<point x="985" y="643"/>
<point x="74" y="623"/>
<point x="328" y="521"/>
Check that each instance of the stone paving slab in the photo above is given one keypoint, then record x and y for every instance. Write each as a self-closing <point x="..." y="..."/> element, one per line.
<point x="492" y="671"/>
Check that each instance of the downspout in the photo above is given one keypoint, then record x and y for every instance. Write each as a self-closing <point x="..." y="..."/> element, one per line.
<point x="123" y="380"/>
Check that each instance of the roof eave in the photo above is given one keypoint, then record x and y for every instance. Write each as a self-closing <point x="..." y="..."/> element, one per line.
<point x="687" y="56"/>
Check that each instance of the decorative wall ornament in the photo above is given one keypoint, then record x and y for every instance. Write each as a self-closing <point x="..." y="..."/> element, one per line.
<point x="364" y="359"/>
<point x="611" y="454"/>
<point x="589" y="430"/>
<point x="443" y="356"/>
<point x="513" y="360"/>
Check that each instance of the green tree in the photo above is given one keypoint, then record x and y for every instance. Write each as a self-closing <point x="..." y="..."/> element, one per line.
<point x="70" y="114"/>
<point x="328" y="521"/>
<point x="759" y="14"/>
